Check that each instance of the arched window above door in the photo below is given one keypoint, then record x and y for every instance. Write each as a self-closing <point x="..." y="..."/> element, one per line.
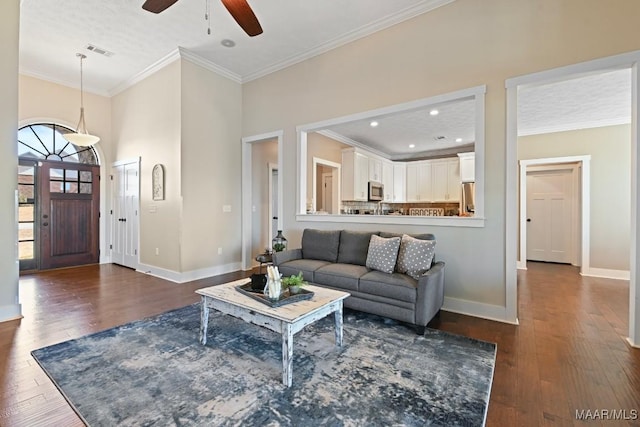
<point x="45" y="141"/>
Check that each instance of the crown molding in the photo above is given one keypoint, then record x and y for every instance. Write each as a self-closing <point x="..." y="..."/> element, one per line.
<point x="194" y="58"/>
<point x="179" y="53"/>
<point x="174" y="55"/>
<point x="403" y="15"/>
<point x="346" y="140"/>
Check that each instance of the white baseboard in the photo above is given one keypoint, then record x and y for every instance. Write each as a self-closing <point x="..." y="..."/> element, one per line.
<point x="606" y="273"/>
<point x="632" y="344"/>
<point x="521" y="265"/>
<point x="477" y="309"/>
<point x="10" y="312"/>
<point x="188" y="276"/>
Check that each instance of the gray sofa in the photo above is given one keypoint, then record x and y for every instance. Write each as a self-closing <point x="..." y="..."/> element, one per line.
<point x="336" y="259"/>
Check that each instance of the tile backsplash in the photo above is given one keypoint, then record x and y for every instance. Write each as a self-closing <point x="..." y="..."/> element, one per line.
<point x="422" y="209"/>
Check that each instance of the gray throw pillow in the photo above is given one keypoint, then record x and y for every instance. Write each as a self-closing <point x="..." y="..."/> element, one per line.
<point x="320" y="244"/>
<point x="383" y="253"/>
<point x="354" y="246"/>
<point x="415" y="256"/>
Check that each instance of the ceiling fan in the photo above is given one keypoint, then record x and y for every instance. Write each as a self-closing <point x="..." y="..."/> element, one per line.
<point x="239" y="9"/>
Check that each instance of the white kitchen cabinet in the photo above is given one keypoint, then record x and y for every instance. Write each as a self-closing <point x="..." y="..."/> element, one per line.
<point x="419" y="188"/>
<point x="399" y="194"/>
<point x="445" y="180"/>
<point x="453" y="180"/>
<point x="355" y="176"/>
<point x="375" y="170"/>
<point x="387" y="180"/>
<point x="467" y="167"/>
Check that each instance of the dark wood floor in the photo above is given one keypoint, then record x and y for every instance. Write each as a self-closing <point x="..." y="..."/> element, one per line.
<point x="569" y="352"/>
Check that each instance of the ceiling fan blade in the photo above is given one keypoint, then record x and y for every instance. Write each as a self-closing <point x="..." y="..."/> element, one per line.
<point x="244" y="16"/>
<point x="157" y="6"/>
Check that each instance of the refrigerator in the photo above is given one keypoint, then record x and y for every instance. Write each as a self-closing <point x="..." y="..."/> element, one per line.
<point x="467" y="204"/>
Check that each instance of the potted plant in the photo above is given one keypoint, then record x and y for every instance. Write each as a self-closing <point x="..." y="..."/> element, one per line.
<point x="294" y="283"/>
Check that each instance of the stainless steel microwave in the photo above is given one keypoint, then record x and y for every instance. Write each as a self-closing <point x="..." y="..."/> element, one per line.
<point x="376" y="191"/>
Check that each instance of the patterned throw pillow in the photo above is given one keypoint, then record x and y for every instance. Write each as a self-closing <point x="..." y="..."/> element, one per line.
<point x="415" y="256"/>
<point x="382" y="253"/>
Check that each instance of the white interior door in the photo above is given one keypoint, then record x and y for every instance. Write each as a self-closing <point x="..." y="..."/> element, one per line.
<point x="327" y="192"/>
<point x="549" y="216"/>
<point x="274" y="205"/>
<point x="125" y="216"/>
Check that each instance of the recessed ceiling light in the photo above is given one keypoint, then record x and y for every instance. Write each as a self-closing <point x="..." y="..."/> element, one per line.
<point x="374" y="124"/>
<point x="434" y="112"/>
<point x="412" y="145"/>
<point x="458" y="139"/>
<point x="228" y="43"/>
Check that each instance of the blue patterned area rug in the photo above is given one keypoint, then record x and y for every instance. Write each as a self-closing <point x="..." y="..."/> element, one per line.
<point x="154" y="372"/>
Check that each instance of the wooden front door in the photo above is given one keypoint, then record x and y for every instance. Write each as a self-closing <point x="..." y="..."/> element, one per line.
<point x="69" y="214"/>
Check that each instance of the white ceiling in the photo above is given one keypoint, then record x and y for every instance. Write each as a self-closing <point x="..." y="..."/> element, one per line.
<point x="395" y="133"/>
<point x="602" y="99"/>
<point x="52" y="32"/>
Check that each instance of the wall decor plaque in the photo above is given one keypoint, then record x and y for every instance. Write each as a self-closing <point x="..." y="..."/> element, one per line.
<point x="157" y="179"/>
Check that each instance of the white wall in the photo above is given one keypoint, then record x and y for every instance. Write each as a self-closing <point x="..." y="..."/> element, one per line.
<point x="146" y="124"/>
<point x="211" y="148"/>
<point x="9" y="23"/>
<point x="610" y="149"/>
<point x="262" y="153"/>
<point x="464" y="44"/>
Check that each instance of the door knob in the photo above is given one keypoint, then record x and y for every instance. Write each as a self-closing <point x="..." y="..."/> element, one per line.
<point x="528" y="219"/>
<point x="44" y="224"/>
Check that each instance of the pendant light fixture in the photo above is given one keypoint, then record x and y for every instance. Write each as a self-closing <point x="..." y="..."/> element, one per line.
<point x="81" y="136"/>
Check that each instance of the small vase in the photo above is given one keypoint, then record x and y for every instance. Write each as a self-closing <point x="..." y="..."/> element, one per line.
<point x="273" y="289"/>
<point x="293" y="290"/>
<point x="279" y="243"/>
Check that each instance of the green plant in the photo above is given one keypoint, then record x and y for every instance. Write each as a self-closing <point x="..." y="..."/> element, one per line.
<point x="278" y="247"/>
<point x="294" y="281"/>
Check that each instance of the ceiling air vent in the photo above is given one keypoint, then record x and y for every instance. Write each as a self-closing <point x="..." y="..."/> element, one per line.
<point x="99" y="50"/>
<point x="440" y="137"/>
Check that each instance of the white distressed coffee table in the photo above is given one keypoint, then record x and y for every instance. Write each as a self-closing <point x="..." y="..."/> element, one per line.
<point x="286" y="320"/>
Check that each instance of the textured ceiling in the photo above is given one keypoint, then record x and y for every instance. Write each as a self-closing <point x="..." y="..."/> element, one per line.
<point x="51" y="32"/>
<point x="602" y="99"/>
<point x="395" y="133"/>
<point x="590" y="101"/>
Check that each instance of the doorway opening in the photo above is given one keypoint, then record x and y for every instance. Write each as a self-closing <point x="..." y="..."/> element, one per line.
<point x="627" y="61"/>
<point x="326" y="186"/>
<point x="58" y="200"/>
<point x="261" y="157"/>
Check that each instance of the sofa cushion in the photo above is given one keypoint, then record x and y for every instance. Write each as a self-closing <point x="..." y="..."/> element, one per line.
<point x="342" y="276"/>
<point x="423" y="236"/>
<point x="415" y="256"/>
<point x="396" y="286"/>
<point x="354" y="246"/>
<point x="383" y="253"/>
<point x="307" y="266"/>
<point x="320" y="244"/>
